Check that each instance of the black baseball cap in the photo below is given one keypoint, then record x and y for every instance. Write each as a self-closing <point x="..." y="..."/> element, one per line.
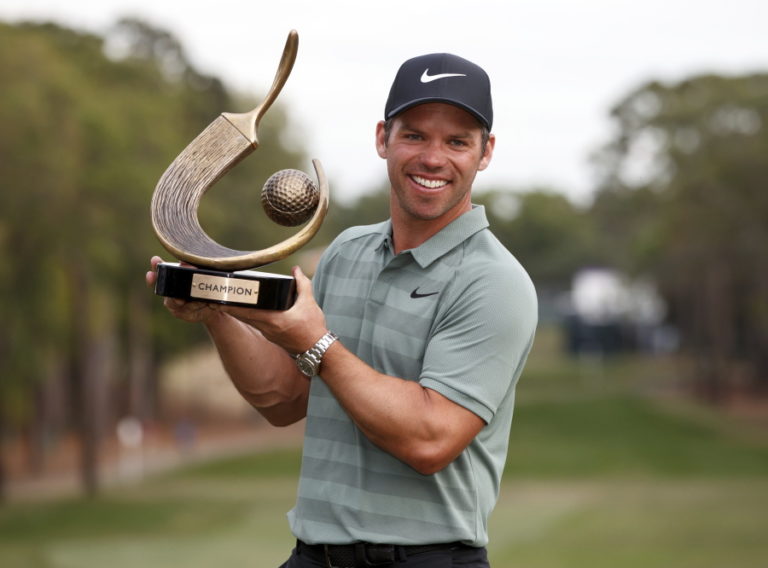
<point x="441" y="77"/>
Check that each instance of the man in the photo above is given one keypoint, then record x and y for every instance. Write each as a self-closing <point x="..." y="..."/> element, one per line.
<point x="410" y="340"/>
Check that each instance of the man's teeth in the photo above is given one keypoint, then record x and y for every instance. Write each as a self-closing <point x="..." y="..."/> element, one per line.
<point x="429" y="183"/>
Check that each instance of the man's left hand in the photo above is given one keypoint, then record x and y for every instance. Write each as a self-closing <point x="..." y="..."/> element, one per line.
<point x="296" y="329"/>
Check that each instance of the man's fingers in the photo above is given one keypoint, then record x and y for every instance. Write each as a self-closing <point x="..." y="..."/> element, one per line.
<point x="174" y="303"/>
<point x="151" y="276"/>
<point x="243" y="314"/>
<point x="303" y="284"/>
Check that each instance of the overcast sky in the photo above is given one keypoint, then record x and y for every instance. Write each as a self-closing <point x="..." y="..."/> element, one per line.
<point x="556" y="66"/>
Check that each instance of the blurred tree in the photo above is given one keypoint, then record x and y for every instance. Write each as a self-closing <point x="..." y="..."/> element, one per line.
<point x="369" y="208"/>
<point x="87" y="126"/>
<point x="547" y="233"/>
<point x="683" y="196"/>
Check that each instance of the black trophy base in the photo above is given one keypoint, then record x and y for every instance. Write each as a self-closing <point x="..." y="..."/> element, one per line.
<point x="246" y="288"/>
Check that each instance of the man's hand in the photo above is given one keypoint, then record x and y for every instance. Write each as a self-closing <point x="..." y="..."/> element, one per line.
<point x="261" y="371"/>
<point x="193" y="312"/>
<point x="296" y="329"/>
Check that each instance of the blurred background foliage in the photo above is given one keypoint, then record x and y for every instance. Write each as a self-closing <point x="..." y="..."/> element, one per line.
<point x="88" y="124"/>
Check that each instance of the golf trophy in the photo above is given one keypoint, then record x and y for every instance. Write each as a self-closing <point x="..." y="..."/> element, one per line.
<point x="219" y="274"/>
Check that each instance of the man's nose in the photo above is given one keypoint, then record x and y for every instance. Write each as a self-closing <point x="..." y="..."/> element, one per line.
<point x="433" y="155"/>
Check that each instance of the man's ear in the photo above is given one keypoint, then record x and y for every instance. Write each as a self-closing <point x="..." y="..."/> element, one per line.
<point x="486" y="157"/>
<point x="381" y="140"/>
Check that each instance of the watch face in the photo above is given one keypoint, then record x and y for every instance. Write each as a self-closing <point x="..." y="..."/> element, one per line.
<point x="306" y="367"/>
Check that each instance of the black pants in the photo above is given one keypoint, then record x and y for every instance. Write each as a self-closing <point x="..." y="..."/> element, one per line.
<point x="458" y="557"/>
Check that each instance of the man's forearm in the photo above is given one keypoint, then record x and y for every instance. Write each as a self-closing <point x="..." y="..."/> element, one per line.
<point x="263" y="373"/>
<point x="415" y="424"/>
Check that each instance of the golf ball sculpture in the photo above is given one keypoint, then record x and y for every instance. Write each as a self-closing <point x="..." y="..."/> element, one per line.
<point x="289" y="197"/>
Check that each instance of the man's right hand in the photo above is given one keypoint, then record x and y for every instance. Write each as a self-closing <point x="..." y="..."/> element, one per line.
<point x="193" y="312"/>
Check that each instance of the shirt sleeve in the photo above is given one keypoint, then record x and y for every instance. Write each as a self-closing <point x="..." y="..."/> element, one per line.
<point x="482" y="340"/>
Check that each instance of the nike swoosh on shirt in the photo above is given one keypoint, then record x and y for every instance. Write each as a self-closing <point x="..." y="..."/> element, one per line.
<point x="416" y="294"/>
<point x="427" y="78"/>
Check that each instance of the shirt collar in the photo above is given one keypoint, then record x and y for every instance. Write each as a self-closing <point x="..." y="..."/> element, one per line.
<point x="384" y="235"/>
<point x="450" y="236"/>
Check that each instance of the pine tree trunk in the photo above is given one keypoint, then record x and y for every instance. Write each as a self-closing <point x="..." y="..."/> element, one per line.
<point x="3" y="466"/>
<point x="140" y="399"/>
<point x="95" y="354"/>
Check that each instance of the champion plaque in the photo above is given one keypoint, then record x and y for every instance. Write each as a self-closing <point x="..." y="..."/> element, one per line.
<point x="246" y="288"/>
<point x="210" y="272"/>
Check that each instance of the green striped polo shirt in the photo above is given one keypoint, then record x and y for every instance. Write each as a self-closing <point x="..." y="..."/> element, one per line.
<point x="457" y="314"/>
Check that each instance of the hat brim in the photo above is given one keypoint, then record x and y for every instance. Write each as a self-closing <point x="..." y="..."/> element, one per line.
<point x="417" y="102"/>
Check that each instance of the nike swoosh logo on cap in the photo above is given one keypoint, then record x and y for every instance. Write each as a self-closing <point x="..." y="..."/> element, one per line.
<point x="427" y="78"/>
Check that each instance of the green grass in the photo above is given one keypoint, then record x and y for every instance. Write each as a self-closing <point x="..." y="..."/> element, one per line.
<point x="199" y="517"/>
<point x="624" y="436"/>
<point x="646" y="523"/>
<point x="601" y="473"/>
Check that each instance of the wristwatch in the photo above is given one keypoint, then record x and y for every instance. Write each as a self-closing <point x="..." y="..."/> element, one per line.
<point x="309" y="361"/>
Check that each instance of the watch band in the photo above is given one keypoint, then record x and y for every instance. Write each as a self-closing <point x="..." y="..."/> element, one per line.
<point x="309" y="361"/>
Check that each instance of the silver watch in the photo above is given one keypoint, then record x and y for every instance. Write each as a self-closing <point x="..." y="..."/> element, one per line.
<point x="309" y="361"/>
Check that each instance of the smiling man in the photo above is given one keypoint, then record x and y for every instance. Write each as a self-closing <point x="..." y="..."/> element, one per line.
<point x="404" y="351"/>
<point x="433" y="152"/>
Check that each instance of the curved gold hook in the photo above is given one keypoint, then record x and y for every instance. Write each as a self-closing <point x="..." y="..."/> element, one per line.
<point x="215" y="151"/>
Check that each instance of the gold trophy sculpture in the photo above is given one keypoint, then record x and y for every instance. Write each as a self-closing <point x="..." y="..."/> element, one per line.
<point x="290" y="198"/>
